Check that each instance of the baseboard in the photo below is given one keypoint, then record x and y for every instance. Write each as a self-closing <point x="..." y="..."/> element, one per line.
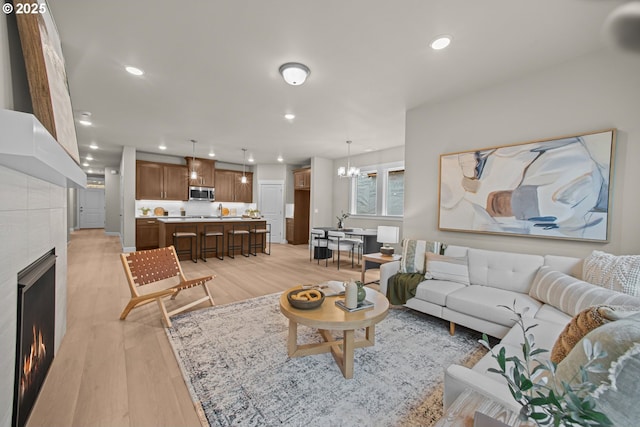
<point x="112" y="233"/>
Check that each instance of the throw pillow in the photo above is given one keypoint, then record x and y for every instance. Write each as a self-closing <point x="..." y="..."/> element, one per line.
<point x="449" y="268"/>
<point x="413" y="255"/>
<point x="620" y="273"/>
<point x="581" y="324"/>
<point x="571" y="295"/>
<point x="619" y="340"/>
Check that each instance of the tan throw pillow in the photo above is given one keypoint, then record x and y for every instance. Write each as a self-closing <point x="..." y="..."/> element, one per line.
<point x="583" y="323"/>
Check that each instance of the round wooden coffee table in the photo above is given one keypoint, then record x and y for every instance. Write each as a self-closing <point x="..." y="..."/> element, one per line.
<point x="328" y="317"/>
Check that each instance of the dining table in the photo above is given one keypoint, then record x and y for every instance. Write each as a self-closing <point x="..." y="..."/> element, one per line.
<point x="370" y="242"/>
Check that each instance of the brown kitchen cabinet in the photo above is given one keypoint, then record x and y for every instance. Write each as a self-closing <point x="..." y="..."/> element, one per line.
<point x="290" y="231"/>
<point x="229" y="187"/>
<point x="161" y="181"/>
<point x="302" y="179"/>
<point x="205" y="169"/>
<point x="147" y="233"/>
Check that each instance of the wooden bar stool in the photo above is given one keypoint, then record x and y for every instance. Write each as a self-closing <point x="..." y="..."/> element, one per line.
<point x="237" y="230"/>
<point x="215" y="232"/>
<point x="264" y="233"/>
<point x="186" y="232"/>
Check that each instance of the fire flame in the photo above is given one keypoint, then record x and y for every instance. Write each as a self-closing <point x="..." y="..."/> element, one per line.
<point x="32" y="361"/>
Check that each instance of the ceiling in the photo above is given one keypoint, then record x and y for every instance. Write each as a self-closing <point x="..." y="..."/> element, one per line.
<point x="211" y="68"/>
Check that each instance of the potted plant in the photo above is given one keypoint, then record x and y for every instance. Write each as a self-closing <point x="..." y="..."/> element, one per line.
<point x="145" y="211"/>
<point x="545" y="400"/>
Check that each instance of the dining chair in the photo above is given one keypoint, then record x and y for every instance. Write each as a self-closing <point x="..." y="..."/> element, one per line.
<point x="355" y="236"/>
<point x="317" y="239"/>
<point x="338" y="242"/>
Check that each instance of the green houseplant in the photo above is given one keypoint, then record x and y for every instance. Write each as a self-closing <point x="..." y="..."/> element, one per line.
<point x="544" y="399"/>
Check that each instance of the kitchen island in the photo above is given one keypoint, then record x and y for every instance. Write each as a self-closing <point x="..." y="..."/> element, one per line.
<point x="168" y="225"/>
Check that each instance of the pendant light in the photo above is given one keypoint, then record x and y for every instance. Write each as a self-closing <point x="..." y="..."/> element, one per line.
<point x="244" y="176"/>
<point x="194" y="173"/>
<point x="349" y="171"/>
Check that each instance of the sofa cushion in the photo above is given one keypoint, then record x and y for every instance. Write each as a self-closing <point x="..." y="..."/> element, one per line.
<point x="443" y="267"/>
<point x="564" y="264"/>
<point x="545" y="335"/>
<point x="620" y="273"/>
<point x="549" y="313"/>
<point x="483" y="302"/>
<point x="504" y="270"/>
<point x="436" y="291"/>
<point x="572" y="295"/>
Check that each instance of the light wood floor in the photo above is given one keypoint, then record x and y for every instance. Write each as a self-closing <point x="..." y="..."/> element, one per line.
<point x="109" y="372"/>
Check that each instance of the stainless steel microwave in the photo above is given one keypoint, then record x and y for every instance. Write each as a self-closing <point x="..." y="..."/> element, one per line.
<point x="202" y="193"/>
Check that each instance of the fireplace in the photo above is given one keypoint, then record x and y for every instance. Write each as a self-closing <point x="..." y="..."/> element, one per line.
<point x="35" y="333"/>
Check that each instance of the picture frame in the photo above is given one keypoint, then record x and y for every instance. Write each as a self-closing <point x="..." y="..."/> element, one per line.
<point x="46" y="75"/>
<point x="557" y="188"/>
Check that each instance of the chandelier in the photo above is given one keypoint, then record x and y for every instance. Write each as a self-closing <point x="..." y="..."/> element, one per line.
<point x="349" y="171"/>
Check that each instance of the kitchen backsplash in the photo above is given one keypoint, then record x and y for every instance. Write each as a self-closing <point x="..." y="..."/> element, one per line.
<point x="192" y="207"/>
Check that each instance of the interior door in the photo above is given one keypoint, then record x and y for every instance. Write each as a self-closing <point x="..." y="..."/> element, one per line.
<point x="271" y="204"/>
<point x="91" y="206"/>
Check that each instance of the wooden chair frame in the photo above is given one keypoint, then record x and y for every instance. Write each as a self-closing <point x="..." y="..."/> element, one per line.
<point x="151" y="266"/>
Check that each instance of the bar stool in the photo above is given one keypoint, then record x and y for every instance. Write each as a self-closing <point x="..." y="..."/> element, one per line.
<point x="186" y="232"/>
<point x="216" y="232"/>
<point x="262" y="232"/>
<point x="236" y="230"/>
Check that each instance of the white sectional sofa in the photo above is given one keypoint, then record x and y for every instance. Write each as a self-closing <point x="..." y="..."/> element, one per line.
<point x="546" y="288"/>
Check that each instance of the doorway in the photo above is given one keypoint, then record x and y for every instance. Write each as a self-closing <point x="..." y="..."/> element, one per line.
<point x="271" y="205"/>
<point x="91" y="207"/>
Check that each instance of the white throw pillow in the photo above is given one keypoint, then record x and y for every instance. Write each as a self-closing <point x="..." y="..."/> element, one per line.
<point x="441" y="267"/>
<point x="620" y="273"/>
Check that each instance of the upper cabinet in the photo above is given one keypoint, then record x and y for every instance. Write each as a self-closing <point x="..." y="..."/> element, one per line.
<point x="205" y="169"/>
<point x="161" y="181"/>
<point x="302" y="179"/>
<point x="229" y="186"/>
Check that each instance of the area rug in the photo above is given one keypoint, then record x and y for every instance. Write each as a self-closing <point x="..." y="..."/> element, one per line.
<point x="234" y="360"/>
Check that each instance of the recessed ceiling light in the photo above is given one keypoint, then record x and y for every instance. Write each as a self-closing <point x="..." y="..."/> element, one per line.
<point x="93" y="146"/>
<point x="440" y="42"/>
<point x="162" y="147"/>
<point x="85" y="164"/>
<point x="250" y="159"/>
<point x="134" y="70"/>
<point x="85" y="119"/>
<point x="212" y="154"/>
<point x="289" y="116"/>
<point x="280" y="159"/>
<point x="90" y="170"/>
<point x="89" y="157"/>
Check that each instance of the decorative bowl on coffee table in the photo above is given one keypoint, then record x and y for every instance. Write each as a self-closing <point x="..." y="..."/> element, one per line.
<point x="304" y="305"/>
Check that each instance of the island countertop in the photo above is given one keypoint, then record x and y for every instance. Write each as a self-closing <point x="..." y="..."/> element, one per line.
<point x="169" y="225"/>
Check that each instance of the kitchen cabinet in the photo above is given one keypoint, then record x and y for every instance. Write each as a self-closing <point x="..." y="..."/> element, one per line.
<point x="205" y="169"/>
<point x="229" y="187"/>
<point x="290" y="233"/>
<point x="302" y="179"/>
<point x="161" y="181"/>
<point x="147" y="233"/>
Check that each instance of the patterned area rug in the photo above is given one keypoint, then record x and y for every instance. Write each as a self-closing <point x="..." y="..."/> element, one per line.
<point x="234" y="360"/>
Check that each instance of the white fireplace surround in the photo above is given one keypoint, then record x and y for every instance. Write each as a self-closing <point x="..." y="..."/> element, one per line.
<point x="27" y="146"/>
<point x="35" y="172"/>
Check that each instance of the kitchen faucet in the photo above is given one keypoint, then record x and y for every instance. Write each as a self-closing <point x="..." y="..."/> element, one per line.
<point x="220" y="210"/>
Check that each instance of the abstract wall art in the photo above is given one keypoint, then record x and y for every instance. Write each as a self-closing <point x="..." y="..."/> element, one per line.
<point x="555" y="188"/>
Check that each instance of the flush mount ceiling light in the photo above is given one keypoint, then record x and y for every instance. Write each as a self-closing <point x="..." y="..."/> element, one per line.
<point x="194" y="173"/>
<point x="294" y="73"/>
<point x="349" y="171"/>
<point x="244" y="176"/>
<point x="85" y="119"/>
<point x="440" y="42"/>
<point x="289" y="116"/>
<point x="134" y="70"/>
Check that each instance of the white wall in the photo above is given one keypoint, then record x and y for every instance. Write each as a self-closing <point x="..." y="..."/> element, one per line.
<point x="594" y="92"/>
<point x="112" y="201"/>
<point x="128" y="199"/>
<point x="321" y="206"/>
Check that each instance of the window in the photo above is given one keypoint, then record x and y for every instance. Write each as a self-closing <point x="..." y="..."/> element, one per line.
<point x="379" y="191"/>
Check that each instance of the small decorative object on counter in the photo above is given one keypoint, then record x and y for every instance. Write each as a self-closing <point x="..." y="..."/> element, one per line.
<point x="362" y="294"/>
<point x="351" y="294"/>
<point x="341" y="219"/>
<point x="182" y="212"/>
<point x="145" y="211"/>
